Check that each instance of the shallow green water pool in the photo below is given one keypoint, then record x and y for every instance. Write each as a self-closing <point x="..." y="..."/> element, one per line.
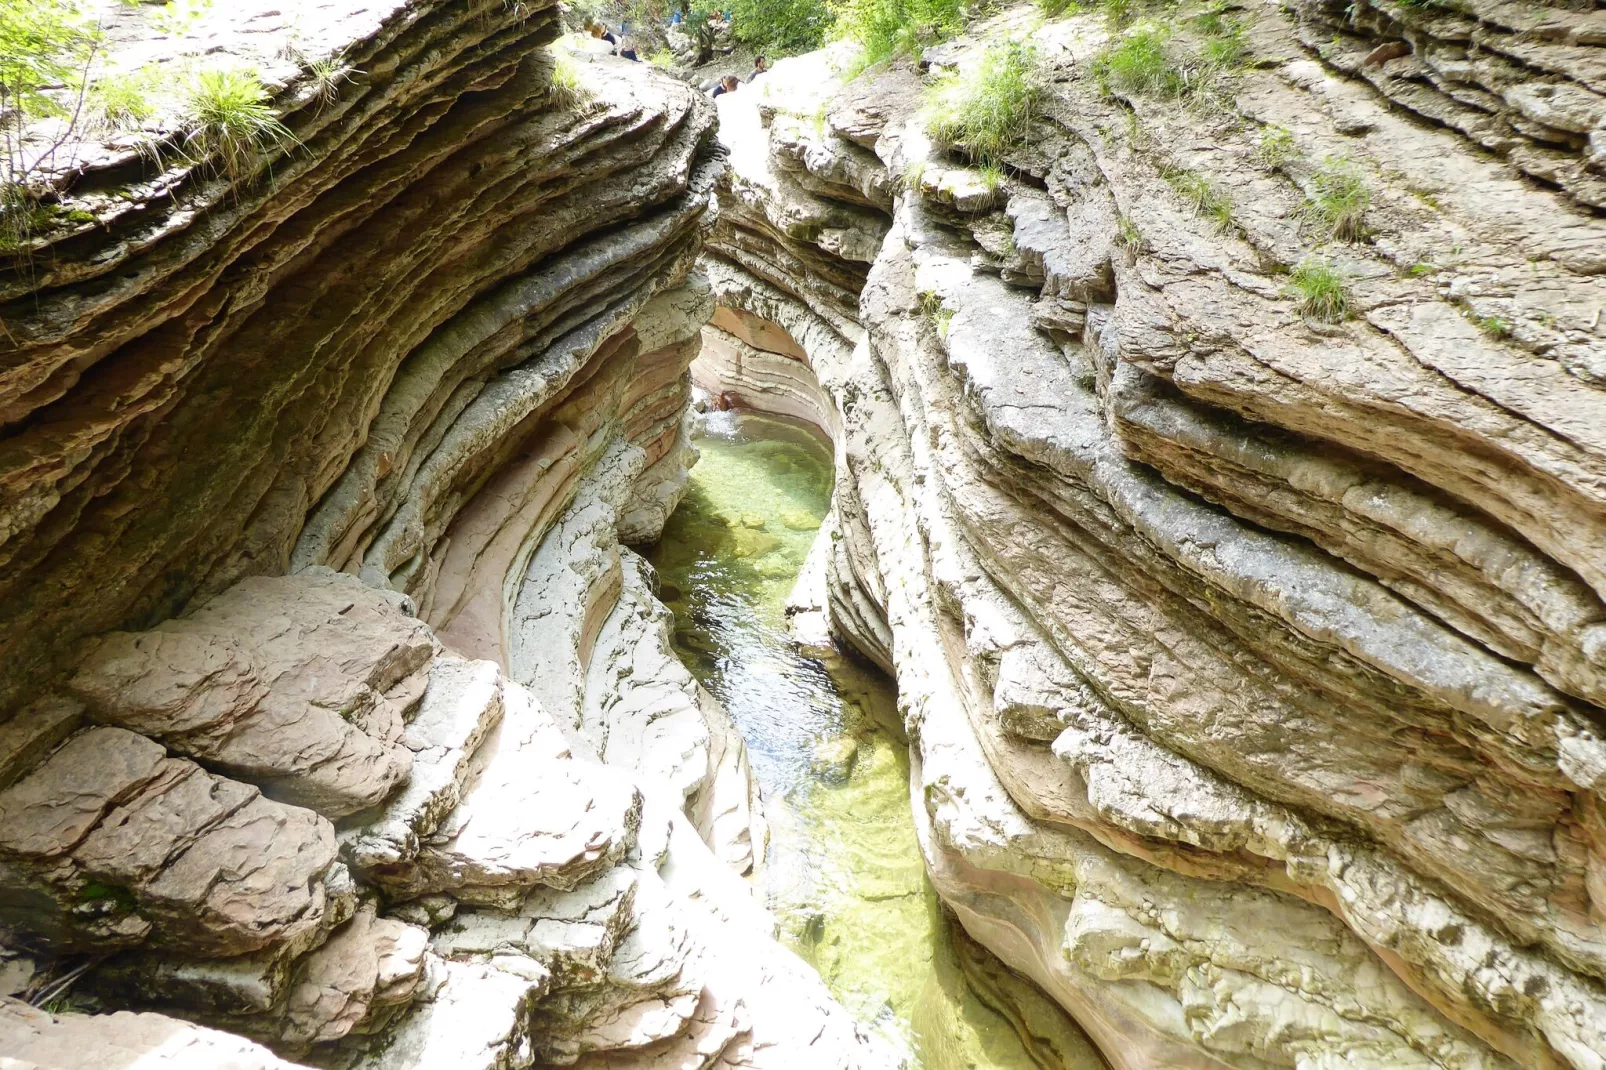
<point x="843" y="871"/>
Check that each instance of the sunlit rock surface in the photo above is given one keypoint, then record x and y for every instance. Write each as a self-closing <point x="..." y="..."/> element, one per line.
<point x="1249" y="663"/>
<point x="293" y="458"/>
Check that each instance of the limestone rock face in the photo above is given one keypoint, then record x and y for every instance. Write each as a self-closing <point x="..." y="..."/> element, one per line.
<point x="299" y="686"/>
<point x="35" y="1038"/>
<point x="295" y="454"/>
<point x="1249" y="662"/>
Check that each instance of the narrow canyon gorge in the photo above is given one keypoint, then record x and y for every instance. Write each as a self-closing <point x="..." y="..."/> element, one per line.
<point x="1079" y="544"/>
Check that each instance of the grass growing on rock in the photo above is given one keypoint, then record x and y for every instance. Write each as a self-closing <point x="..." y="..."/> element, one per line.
<point x="328" y="75"/>
<point x="229" y="120"/>
<point x="1203" y="196"/>
<point x="122" y="102"/>
<point x="986" y="111"/>
<point x="568" y="87"/>
<point x="1150" y="59"/>
<point x="1337" y="201"/>
<point x="1276" y="147"/>
<point x="1322" y="290"/>
<point x="1138" y="63"/>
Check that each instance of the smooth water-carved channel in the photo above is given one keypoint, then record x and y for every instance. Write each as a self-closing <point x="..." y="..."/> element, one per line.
<point x="843" y="872"/>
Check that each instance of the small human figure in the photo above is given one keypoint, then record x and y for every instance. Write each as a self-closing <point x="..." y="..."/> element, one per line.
<point x="675" y="17"/>
<point x="599" y="30"/>
<point x="727" y="84"/>
<point x="760" y="65"/>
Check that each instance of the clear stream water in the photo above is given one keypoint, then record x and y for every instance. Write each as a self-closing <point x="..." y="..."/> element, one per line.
<point x="843" y="872"/>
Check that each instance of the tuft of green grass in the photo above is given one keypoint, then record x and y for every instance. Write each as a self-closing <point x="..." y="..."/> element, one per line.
<point x="328" y="75"/>
<point x="1127" y="234"/>
<point x="992" y="176"/>
<point x="1276" y="148"/>
<point x="984" y="112"/>
<point x="568" y="88"/>
<point x="1053" y="9"/>
<point x="1138" y="62"/>
<point x="1322" y="290"/>
<point x="1337" y="201"/>
<point x="914" y="172"/>
<point x="1493" y="326"/>
<point x="1203" y="196"/>
<point x="121" y="102"/>
<point x="662" y="58"/>
<point x="228" y="120"/>
<point x="1422" y="269"/>
<point x="1225" y="41"/>
<point x="942" y="319"/>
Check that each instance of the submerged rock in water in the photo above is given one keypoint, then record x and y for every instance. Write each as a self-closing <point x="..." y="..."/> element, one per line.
<point x="832" y="759"/>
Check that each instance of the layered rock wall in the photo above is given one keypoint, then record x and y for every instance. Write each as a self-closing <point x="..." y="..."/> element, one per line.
<point x="335" y="713"/>
<point x="1247" y="716"/>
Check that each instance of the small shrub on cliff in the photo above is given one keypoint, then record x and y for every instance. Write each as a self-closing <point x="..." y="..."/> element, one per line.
<point x="1337" y="201"/>
<point x="985" y="111"/>
<point x="1322" y="290"/>
<point x="45" y="53"/>
<point x="1138" y="62"/>
<point x="773" y="27"/>
<point x="889" y="28"/>
<point x="229" y="121"/>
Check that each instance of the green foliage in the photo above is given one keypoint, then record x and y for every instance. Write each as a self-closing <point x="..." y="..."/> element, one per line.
<point x="568" y="88"/>
<point x="1053" y="9"/>
<point x="1422" y="269"/>
<point x="1200" y="194"/>
<point x="1322" y="290"/>
<point x="328" y="75"/>
<point x="1138" y="62"/>
<point x="914" y="172"/>
<point x="43" y="43"/>
<point x="986" y="110"/>
<point x="1493" y="326"/>
<point x="1224" y="45"/>
<point x="1337" y="201"/>
<point x="176" y="17"/>
<point x="46" y="47"/>
<point x="1128" y="234"/>
<point x="662" y="58"/>
<point x="889" y="28"/>
<point x="779" y="27"/>
<point x="992" y="176"/>
<point x="122" y="102"/>
<point x="1277" y="146"/>
<point x="228" y="120"/>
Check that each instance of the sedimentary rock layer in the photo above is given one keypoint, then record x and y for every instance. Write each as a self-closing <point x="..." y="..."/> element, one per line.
<point x="1250" y="662"/>
<point x="335" y="712"/>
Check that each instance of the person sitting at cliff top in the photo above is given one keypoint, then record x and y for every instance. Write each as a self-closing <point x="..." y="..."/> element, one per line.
<point x="760" y="65"/>
<point x="599" y="30"/>
<point x="727" y="84"/>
